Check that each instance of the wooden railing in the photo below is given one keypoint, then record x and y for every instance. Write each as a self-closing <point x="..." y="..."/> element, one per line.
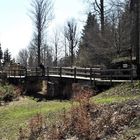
<point x="14" y="72"/>
<point x="92" y="73"/>
<point x="87" y="73"/>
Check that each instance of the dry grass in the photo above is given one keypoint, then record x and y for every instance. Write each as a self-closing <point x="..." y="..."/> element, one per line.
<point x="18" y="114"/>
<point x="85" y="121"/>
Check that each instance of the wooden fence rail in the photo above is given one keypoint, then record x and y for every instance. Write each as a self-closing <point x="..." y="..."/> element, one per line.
<point x="89" y="73"/>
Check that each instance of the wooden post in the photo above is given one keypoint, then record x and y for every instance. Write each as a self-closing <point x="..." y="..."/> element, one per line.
<point x="47" y="71"/>
<point x="9" y="72"/>
<point x="131" y="74"/>
<point x="20" y="73"/>
<point x="91" y="76"/>
<point x="94" y="77"/>
<point x="75" y="74"/>
<point x="85" y="73"/>
<point x="36" y="71"/>
<point x="47" y="68"/>
<point x="111" y="79"/>
<point x="14" y="73"/>
<point x="71" y="71"/>
<point x="26" y="72"/>
<point x="60" y="72"/>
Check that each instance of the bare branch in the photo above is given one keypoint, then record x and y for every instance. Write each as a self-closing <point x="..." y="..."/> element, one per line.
<point x="99" y="7"/>
<point x="41" y="14"/>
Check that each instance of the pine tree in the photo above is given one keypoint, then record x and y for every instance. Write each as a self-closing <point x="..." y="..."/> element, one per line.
<point x="88" y="48"/>
<point x="6" y="57"/>
<point x="1" y="55"/>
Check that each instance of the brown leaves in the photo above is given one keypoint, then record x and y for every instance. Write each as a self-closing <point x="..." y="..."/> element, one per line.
<point x="86" y="120"/>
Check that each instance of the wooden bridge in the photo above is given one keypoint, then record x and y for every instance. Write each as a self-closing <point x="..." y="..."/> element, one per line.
<point x="76" y="73"/>
<point x="59" y="81"/>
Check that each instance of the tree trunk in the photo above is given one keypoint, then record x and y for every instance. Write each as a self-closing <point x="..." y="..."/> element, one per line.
<point x="102" y="16"/>
<point x="137" y="38"/>
<point x="56" y="53"/>
<point x="39" y="46"/>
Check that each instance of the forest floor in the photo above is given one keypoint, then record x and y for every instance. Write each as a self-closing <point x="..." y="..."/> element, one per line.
<point x="122" y="98"/>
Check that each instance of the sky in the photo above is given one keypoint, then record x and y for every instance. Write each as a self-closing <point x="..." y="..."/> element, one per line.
<point x="16" y="26"/>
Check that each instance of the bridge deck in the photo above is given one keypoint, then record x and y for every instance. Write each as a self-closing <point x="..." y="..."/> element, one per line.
<point x="77" y="77"/>
<point x="88" y="74"/>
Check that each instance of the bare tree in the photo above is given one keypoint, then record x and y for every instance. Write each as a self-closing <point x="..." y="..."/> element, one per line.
<point x="32" y="62"/>
<point x="65" y="44"/>
<point x="41" y="14"/>
<point x="23" y="57"/>
<point x="99" y="8"/>
<point x="71" y="35"/>
<point x="56" y="41"/>
<point x="47" y="55"/>
<point x="1" y="55"/>
<point x="101" y="11"/>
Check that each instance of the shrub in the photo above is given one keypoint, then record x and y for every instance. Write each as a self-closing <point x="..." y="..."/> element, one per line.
<point x="76" y="122"/>
<point x="9" y="92"/>
<point x="36" y="128"/>
<point x="84" y="121"/>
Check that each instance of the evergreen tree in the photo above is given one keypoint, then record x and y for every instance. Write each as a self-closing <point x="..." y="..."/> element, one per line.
<point x="6" y="57"/>
<point x="1" y="54"/>
<point x="125" y="30"/>
<point x="89" y="44"/>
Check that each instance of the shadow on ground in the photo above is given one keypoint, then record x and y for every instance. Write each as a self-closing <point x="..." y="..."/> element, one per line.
<point x="39" y="96"/>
